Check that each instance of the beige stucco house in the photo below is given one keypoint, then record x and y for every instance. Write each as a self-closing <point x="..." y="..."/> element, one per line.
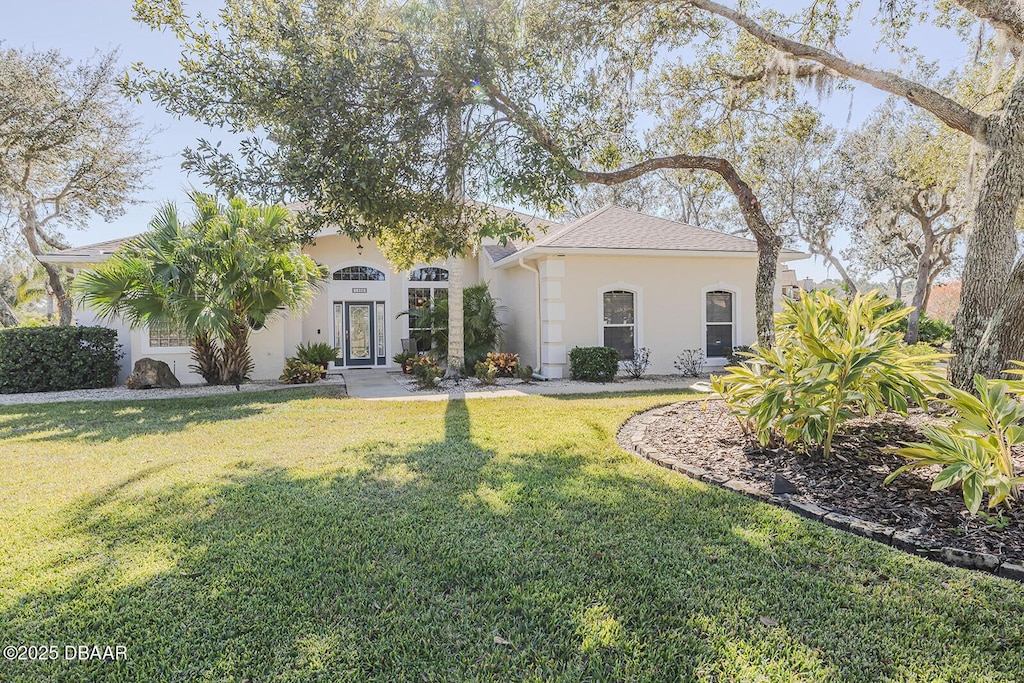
<point x="614" y="277"/>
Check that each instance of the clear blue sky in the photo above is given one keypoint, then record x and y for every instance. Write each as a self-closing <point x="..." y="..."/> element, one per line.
<point x="79" y="27"/>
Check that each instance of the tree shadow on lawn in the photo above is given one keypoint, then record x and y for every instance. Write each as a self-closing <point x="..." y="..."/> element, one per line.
<point x="455" y="562"/>
<point x="91" y="420"/>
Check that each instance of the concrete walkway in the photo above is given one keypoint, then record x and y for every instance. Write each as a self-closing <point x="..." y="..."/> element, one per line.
<point x="379" y="385"/>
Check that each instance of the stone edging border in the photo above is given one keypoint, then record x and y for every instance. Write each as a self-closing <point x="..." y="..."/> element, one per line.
<point x="631" y="436"/>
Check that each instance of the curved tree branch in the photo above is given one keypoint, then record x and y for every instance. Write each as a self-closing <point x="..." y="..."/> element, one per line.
<point x="1007" y="15"/>
<point x="769" y="243"/>
<point x="950" y="112"/>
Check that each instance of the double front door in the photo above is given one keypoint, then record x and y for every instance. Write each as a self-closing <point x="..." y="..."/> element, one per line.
<point x="360" y="332"/>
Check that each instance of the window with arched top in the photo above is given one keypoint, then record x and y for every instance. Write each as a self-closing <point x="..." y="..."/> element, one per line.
<point x="358" y="273"/>
<point x="719" y="323"/>
<point x="429" y="274"/>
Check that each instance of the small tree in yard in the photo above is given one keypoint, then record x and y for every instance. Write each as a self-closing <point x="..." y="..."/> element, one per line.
<point x="69" y="150"/>
<point x="221" y="276"/>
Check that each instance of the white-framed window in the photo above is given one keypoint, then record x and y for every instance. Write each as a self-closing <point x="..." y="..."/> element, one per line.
<point x="428" y="285"/>
<point x="164" y="334"/>
<point x="719" y="322"/>
<point x="619" y="321"/>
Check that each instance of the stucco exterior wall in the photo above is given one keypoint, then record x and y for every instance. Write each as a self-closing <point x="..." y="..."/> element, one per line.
<point x="87" y="318"/>
<point x="516" y="288"/>
<point x="670" y="294"/>
<point x="336" y="251"/>
<point x="557" y="310"/>
<point x="316" y="323"/>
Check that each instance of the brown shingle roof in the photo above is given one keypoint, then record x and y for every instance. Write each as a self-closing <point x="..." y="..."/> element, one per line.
<point x="614" y="227"/>
<point x="496" y="252"/>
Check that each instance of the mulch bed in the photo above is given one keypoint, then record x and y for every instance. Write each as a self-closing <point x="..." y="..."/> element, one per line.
<point x="705" y="435"/>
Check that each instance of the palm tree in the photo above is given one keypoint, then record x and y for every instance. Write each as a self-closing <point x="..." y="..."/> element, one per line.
<point x="224" y="274"/>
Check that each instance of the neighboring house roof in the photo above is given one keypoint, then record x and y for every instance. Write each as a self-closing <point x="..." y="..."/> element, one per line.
<point x="89" y="253"/>
<point x="613" y="228"/>
<point x="787" y="277"/>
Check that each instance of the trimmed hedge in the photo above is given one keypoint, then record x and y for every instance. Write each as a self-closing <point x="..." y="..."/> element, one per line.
<point x="57" y="358"/>
<point x="594" y="363"/>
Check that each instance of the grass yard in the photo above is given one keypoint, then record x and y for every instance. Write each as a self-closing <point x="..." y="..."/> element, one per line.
<point x="286" y="537"/>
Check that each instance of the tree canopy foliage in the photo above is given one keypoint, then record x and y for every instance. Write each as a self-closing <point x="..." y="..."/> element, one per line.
<point x="70" y="149"/>
<point x="354" y="100"/>
<point x="348" y="108"/>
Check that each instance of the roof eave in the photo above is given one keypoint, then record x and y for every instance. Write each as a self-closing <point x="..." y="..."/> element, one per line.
<point x="73" y="258"/>
<point x="543" y="250"/>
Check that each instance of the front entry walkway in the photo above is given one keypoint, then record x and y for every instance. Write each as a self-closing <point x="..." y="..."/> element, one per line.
<point x="380" y="385"/>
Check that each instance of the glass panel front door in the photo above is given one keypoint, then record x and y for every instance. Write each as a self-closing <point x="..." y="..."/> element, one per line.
<point x="358" y="350"/>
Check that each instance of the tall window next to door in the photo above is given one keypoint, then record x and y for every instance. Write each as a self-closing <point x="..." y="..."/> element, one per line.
<point x="719" y="323"/>
<point x="620" y="322"/>
<point x="431" y="286"/>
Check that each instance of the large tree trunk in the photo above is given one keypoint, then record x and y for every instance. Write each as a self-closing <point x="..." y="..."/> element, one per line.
<point x="60" y="293"/>
<point x="851" y="286"/>
<point x="29" y="222"/>
<point x="991" y="250"/>
<point x="456" y="323"/>
<point x="768" y="248"/>
<point x="1008" y="324"/>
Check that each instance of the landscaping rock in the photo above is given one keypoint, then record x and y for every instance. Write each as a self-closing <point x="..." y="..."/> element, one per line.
<point x="908" y="540"/>
<point x="876" y="532"/>
<point x="151" y="374"/>
<point x="692" y="472"/>
<point x="839" y="521"/>
<point x="809" y="510"/>
<point x="745" y="488"/>
<point x="970" y="560"/>
<point x="1011" y="570"/>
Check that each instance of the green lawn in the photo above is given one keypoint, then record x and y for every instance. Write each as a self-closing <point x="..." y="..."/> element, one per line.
<point x="286" y="537"/>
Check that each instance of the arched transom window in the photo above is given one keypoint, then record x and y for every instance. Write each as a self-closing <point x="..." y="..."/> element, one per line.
<point x="620" y="322"/>
<point x="429" y="274"/>
<point x="719" y="323"/>
<point x="358" y="273"/>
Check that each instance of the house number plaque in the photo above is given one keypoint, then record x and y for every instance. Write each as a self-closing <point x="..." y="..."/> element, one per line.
<point x="359" y="290"/>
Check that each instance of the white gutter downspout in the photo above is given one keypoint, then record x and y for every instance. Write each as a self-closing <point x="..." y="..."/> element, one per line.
<point x="536" y="272"/>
